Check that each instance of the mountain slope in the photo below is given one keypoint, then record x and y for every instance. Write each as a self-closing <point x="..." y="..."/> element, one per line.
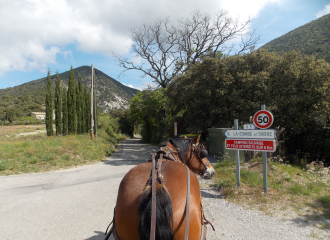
<point x="110" y="92"/>
<point x="311" y="38"/>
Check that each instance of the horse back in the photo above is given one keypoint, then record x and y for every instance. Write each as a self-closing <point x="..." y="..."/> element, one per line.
<point x="175" y="177"/>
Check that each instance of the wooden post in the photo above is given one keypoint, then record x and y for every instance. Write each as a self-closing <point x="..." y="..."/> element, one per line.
<point x="95" y="115"/>
<point x="92" y="104"/>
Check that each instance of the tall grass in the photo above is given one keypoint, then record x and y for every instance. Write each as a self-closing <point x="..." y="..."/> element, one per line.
<point x="304" y="190"/>
<point x="36" y="153"/>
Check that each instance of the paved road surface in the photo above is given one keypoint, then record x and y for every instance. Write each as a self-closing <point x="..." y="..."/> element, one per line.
<point x="70" y="204"/>
<point x="78" y="204"/>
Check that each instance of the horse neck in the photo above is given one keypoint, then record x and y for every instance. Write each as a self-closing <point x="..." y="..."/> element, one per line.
<point x="187" y="161"/>
<point x="175" y="153"/>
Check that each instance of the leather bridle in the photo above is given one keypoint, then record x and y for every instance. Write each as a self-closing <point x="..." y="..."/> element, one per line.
<point x="201" y="153"/>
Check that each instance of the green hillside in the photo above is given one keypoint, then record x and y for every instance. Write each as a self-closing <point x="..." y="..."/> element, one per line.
<point x="312" y="38"/>
<point x="30" y="97"/>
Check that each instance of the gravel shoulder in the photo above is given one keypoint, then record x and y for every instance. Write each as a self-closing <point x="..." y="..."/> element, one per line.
<point x="235" y="222"/>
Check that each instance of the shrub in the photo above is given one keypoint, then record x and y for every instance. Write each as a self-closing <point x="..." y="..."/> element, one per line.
<point x="3" y="165"/>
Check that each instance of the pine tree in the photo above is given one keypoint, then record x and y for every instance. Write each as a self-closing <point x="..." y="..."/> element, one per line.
<point x="65" y="112"/>
<point x="72" y="114"/>
<point x="49" y="107"/>
<point x="58" y="106"/>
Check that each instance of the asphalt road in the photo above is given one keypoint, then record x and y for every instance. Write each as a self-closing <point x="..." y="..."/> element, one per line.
<point x="78" y="204"/>
<point x="70" y="204"/>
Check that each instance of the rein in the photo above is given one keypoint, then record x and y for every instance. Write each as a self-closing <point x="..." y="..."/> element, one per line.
<point x="166" y="154"/>
<point x="157" y="176"/>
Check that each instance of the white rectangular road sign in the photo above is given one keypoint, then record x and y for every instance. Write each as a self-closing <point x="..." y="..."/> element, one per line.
<point x="250" y="133"/>
<point x="249" y="126"/>
<point x="251" y="145"/>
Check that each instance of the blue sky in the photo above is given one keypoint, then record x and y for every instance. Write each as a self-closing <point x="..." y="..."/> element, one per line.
<point x="55" y="34"/>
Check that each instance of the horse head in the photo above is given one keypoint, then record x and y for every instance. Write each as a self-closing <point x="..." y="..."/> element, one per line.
<point x="192" y="153"/>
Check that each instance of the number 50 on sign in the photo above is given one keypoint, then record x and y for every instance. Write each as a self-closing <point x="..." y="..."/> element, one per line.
<point x="263" y="119"/>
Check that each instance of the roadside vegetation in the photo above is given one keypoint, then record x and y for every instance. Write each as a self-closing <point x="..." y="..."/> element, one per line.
<point x="27" y="149"/>
<point x="305" y="190"/>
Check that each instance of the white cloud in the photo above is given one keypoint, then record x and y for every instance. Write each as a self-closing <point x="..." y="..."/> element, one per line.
<point x="147" y="85"/>
<point x="246" y="9"/>
<point x="325" y="11"/>
<point x="36" y="31"/>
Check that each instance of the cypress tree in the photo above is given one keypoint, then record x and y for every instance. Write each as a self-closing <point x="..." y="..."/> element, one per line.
<point x="58" y="106"/>
<point x="95" y="113"/>
<point x="85" y="110"/>
<point x="82" y="106"/>
<point x="88" y="109"/>
<point x="72" y="113"/>
<point x="65" y="112"/>
<point x="78" y="109"/>
<point x="49" y="107"/>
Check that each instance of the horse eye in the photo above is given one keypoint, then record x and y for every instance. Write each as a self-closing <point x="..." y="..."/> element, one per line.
<point x="204" y="153"/>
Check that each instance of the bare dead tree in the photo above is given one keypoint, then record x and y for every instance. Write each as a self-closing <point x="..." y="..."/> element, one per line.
<point x="167" y="50"/>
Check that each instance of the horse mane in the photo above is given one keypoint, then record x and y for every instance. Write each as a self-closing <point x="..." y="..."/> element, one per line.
<point x="183" y="144"/>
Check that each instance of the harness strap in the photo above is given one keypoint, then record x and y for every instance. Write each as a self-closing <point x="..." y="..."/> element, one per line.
<point x="186" y="232"/>
<point x="112" y="230"/>
<point x="153" y="201"/>
<point x="204" y="220"/>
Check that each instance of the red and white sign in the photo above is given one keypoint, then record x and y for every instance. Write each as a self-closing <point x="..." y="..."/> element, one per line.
<point x="251" y="145"/>
<point x="263" y="119"/>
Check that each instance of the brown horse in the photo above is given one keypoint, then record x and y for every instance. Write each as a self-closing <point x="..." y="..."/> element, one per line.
<point x="132" y="216"/>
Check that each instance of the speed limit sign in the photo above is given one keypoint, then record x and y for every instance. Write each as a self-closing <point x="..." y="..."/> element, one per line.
<point x="263" y="119"/>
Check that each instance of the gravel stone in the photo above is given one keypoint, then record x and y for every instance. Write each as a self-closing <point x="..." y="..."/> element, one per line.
<point x="232" y="221"/>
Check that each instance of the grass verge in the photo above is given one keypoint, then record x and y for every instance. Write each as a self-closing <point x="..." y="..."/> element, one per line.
<point x="39" y="153"/>
<point x="305" y="191"/>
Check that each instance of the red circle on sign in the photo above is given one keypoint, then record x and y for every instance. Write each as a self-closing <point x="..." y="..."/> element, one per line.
<point x="263" y="119"/>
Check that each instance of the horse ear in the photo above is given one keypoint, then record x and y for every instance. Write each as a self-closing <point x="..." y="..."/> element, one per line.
<point x="196" y="139"/>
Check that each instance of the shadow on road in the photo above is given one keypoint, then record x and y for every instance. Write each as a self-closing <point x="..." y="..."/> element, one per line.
<point x="206" y="194"/>
<point x="130" y="152"/>
<point x="123" y="162"/>
<point x="99" y="236"/>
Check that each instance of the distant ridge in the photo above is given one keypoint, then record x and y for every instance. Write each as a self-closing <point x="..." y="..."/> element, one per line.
<point x="110" y="93"/>
<point x="312" y="38"/>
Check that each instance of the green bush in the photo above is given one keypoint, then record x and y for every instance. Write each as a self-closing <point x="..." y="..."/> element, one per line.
<point x="3" y="165"/>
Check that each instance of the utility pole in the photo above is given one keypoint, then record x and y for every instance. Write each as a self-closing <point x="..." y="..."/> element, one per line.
<point x="95" y="109"/>
<point x="92" y="104"/>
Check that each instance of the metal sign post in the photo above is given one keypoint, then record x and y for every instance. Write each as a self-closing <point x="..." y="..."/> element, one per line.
<point x="264" y="162"/>
<point x="251" y="139"/>
<point x="238" y="174"/>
